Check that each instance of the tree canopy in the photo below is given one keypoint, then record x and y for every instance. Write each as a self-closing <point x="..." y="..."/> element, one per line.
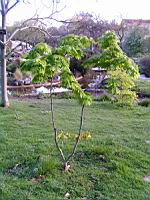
<point x="45" y="63"/>
<point x="122" y="70"/>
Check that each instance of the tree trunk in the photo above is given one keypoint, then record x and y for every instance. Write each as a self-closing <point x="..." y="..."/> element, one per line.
<point x="4" y="101"/>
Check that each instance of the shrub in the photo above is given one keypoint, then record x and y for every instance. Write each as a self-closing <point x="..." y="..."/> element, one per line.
<point x="120" y="85"/>
<point x="126" y="98"/>
<point x="13" y="65"/>
<point x="103" y="97"/>
<point x="147" y="43"/>
<point x="66" y="95"/>
<point x="27" y="74"/>
<point x="18" y="74"/>
<point x="133" y="43"/>
<point x="145" y="66"/>
<point x="42" y="95"/>
<point x="144" y="102"/>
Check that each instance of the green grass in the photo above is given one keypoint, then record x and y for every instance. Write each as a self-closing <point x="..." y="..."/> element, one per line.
<point x="110" y="166"/>
<point x="142" y="86"/>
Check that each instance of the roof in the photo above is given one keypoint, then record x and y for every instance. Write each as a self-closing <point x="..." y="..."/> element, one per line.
<point x="137" y="21"/>
<point x="17" y="43"/>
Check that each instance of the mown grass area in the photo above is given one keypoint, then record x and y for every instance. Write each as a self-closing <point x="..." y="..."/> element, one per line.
<point x="109" y="166"/>
<point x="142" y="86"/>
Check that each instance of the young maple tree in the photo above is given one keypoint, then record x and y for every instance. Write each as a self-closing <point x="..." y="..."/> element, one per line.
<point x="121" y="70"/>
<point x="45" y="63"/>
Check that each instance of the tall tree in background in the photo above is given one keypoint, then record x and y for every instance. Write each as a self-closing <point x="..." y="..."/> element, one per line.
<point x="133" y="43"/>
<point x="83" y="24"/>
<point x="29" y="36"/>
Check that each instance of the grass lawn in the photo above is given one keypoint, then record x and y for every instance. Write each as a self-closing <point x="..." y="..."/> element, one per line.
<point x="142" y="86"/>
<point x="109" y="166"/>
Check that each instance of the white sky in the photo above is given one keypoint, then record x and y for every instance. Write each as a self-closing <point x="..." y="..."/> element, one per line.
<point x="107" y="9"/>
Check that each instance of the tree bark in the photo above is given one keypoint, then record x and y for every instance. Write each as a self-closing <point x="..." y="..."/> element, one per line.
<point x="4" y="100"/>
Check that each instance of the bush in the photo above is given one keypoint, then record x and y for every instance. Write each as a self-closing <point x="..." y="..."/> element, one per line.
<point x="144" y="102"/>
<point x="133" y="43"/>
<point x="18" y="74"/>
<point x="145" y="66"/>
<point x="42" y="95"/>
<point x="13" y="65"/>
<point x="103" y="97"/>
<point x="147" y="43"/>
<point x="126" y="98"/>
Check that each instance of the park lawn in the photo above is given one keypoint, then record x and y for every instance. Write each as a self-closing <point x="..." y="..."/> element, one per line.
<point x="109" y="166"/>
<point x="142" y="86"/>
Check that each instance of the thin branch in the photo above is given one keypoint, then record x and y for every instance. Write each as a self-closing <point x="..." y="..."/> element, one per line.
<point x="37" y="18"/>
<point x="21" y="28"/>
<point x="46" y="17"/>
<point x="79" y="135"/>
<point x="53" y="6"/>
<point x="12" y="50"/>
<point x="15" y="32"/>
<point x="2" y="7"/>
<point x="24" y="28"/>
<point x="1" y="43"/>
<point x="45" y="5"/>
<point x="54" y="126"/>
<point x="11" y="7"/>
<point x="34" y="18"/>
<point x="66" y="21"/>
<point x="6" y="5"/>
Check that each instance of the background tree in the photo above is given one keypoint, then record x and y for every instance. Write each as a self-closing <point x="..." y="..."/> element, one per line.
<point x="81" y="24"/>
<point x="145" y="65"/>
<point x="54" y="35"/>
<point x="89" y="25"/>
<point x="5" y="7"/>
<point x="133" y="43"/>
<point x="147" y="43"/>
<point x="30" y="35"/>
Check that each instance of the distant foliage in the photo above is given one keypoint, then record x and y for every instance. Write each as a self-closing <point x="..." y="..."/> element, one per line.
<point x="145" y="65"/>
<point x="147" y="44"/>
<point x="134" y="42"/>
<point x="144" y="102"/>
<point x="81" y="24"/>
<point x="30" y="35"/>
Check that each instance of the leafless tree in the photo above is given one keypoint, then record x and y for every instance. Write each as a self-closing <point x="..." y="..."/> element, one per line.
<point x="5" y="7"/>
